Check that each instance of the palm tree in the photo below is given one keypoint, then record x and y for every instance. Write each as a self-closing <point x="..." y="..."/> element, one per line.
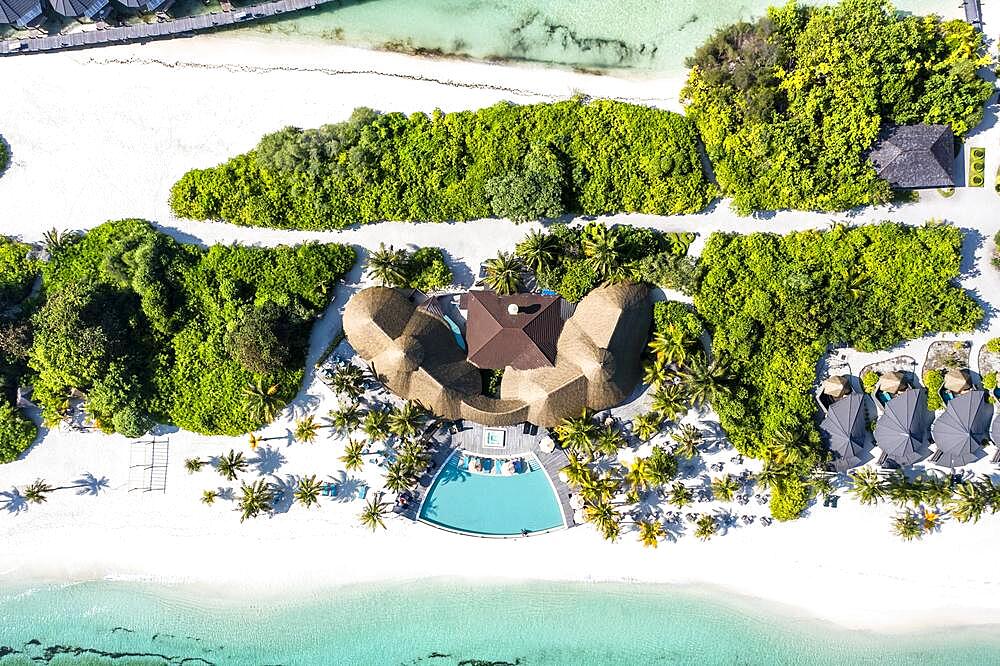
<point x="930" y="519"/>
<point x="387" y="265"/>
<point x="598" y="489"/>
<point x="646" y="426"/>
<point x="680" y="495"/>
<point x="346" y="418"/>
<point x="231" y="464"/>
<point x="773" y="475"/>
<point x="655" y="373"/>
<point x="348" y="380"/>
<point x="788" y="447"/>
<point x="578" y="434"/>
<point x="706" y="526"/>
<point x="193" y="465"/>
<point x="209" y="496"/>
<point x="264" y="401"/>
<point x="869" y="487"/>
<point x="308" y="490"/>
<point x="608" y="441"/>
<point x="686" y="441"/>
<point x="503" y="273"/>
<point x="650" y="533"/>
<point x="374" y="513"/>
<point x="54" y="240"/>
<point x="306" y="429"/>
<point x="669" y="402"/>
<point x="908" y="525"/>
<point x="661" y="467"/>
<point x="406" y="421"/>
<point x="602" y="247"/>
<point x="575" y="471"/>
<point x="703" y="381"/>
<point x="396" y="478"/>
<point x="539" y="250"/>
<point x="376" y="425"/>
<point x="605" y="518"/>
<point x="353" y="457"/>
<point x="669" y="345"/>
<point x="969" y="502"/>
<point x="255" y="499"/>
<point x="37" y="492"/>
<point x="725" y="487"/>
<point x="637" y="476"/>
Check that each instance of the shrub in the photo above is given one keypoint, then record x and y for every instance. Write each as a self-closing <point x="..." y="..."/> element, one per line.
<point x="782" y="136"/>
<point x="990" y="381"/>
<point x="774" y="305"/>
<point x="578" y="281"/>
<point x="427" y="270"/>
<point x="16" y="433"/>
<point x="682" y="315"/>
<point x="4" y="156"/>
<point x="993" y="345"/>
<point x="789" y="499"/>
<point x="869" y="381"/>
<point x="522" y="162"/>
<point x="934" y="382"/>
<point x="152" y="330"/>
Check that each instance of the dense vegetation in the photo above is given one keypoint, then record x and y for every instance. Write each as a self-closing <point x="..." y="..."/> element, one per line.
<point x="574" y="260"/>
<point x="424" y="268"/>
<point x="4" y="155"/>
<point x="18" y="272"/>
<point x="151" y="330"/>
<point x="774" y="304"/>
<point x="517" y="162"/>
<point x="787" y="106"/>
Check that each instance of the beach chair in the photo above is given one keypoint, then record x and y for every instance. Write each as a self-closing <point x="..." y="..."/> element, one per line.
<point x="330" y="490"/>
<point x="362" y="491"/>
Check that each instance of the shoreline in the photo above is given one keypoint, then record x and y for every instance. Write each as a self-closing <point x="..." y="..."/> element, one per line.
<point x="196" y="108"/>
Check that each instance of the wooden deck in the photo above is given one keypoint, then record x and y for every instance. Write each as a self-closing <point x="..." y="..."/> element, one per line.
<point x="973" y="13"/>
<point x="164" y="29"/>
<point x="552" y="463"/>
<point x="516" y="442"/>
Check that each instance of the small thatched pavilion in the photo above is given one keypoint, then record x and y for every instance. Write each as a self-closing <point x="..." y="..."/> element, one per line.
<point x="836" y="387"/>
<point x="957" y="381"/>
<point x="892" y="382"/>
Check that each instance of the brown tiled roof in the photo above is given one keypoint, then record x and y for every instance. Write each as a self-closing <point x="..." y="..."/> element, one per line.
<point x="524" y="341"/>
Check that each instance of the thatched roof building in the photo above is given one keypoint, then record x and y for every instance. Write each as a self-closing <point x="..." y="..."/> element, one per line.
<point x="836" y="386"/>
<point x="892" y="382"/>
<point x="596" y="362"/>
<point x="956" y="380"/>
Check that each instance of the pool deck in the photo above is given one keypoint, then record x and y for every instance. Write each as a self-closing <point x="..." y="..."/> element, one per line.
<point x="516" y="443"/>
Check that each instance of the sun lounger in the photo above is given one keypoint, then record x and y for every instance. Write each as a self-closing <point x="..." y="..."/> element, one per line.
<point x="362" y="491"/>
<point x="996" y="457"/>
<point x="330" y="490"/>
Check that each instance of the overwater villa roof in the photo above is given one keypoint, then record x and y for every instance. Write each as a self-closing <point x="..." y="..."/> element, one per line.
<point x="901" y="432"/>
<point x="520" y="331"/>
<point x="78" y="8"/>
<point x="915" y="156"/>
<point x="959" y="432"/>
<point x="843" y="431"/>
<point x="20" y="13"/>
<point x="415" y="353"/>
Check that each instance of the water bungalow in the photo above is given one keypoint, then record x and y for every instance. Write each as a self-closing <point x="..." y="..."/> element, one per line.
<point x="915" y="156"/>
<point x="901" y="432"/>
<point x="960" y="431"/>
<point x="91" y="9"/>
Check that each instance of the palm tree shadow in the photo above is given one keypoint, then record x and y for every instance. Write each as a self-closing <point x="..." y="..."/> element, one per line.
<point x="268" y="461"/>
<point x="347" y="487"/>
<point x="284" y="493"/>
<point x="302" y="405"/>
<point x="13" y="501"/>
<point x="90" y="484"/>
<point x="226" y="494"/>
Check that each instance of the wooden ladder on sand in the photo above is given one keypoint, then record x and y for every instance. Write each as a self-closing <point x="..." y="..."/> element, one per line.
<point x="148" y="466"/>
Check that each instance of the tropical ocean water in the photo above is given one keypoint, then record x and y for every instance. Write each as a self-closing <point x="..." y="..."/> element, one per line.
<point x="444" y="624"/>
<point x="644" y="35"/>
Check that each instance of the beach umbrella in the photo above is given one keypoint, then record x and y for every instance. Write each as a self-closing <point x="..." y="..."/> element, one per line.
<point x="902" y="431"/>
<point x="892" y="382"/>
<point x="956" y="380"/>
<point x="837" y="386"/>
<point x="959" y="432"/>
<point x="547" y="445"/>
<point x="576" y="502"/>
<point x="843" y="431"/>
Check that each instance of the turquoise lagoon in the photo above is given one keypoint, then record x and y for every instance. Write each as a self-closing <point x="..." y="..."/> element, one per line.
<point x="643" y="35"/>
<point x="444" y="623"/>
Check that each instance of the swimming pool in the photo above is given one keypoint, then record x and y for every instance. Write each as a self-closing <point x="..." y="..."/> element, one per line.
<point x="492" y="504"/>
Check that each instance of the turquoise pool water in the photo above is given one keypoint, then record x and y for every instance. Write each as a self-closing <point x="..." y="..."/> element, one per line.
<point x="446" y="623"/>
<point x="492" y="504"/>
<point x="644" y="35"/>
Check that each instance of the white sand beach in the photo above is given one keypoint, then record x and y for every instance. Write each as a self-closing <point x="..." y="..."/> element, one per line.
<point x="102" y="134"/>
